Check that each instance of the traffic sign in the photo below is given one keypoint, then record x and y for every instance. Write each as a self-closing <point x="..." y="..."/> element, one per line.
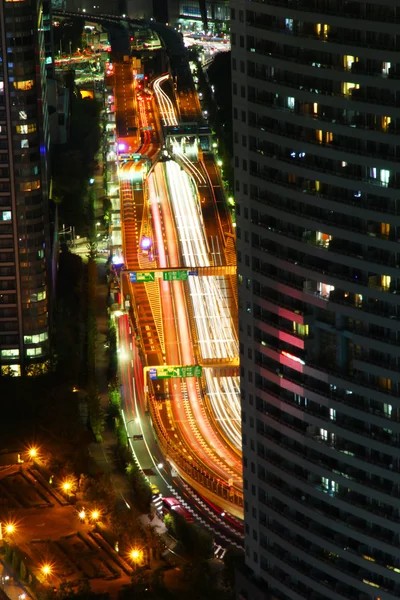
<point x="169" y="372"/>
<point x="193" y="272"/>
<point x="142" y="277"/>
<point x="175" y="275"/>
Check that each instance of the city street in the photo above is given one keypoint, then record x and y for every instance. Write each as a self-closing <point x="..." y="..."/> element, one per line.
<point x="162" y="207"/>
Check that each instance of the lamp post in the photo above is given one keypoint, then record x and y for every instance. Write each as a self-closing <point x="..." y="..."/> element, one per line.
<point x="6" y="529"/>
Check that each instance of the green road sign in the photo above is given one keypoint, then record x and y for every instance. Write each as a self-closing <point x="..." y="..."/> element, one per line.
<point x="176" y="372"/>
<point x="142" y="277"/>
<point x="175" y="275"/>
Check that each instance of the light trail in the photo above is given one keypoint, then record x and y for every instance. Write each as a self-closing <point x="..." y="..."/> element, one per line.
<point x="188" y="411"/>
<point x="215" y="331"/>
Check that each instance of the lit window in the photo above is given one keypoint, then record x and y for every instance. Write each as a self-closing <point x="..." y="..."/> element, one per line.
<point x="385" y="123"/>
<point x="29" y="186"/>
<point x="385" y="176"/>
<point x="25" y="143"/>
<point x="348" y="61"/>
<point x="6" y="215"/>
<point x="387" y="409"/>
<point x="289" y="24"/>
<point x="10" y="353"/>
<point x="24" y="85"/>
<point x="290" y="102"/>
<point x="38" y="297"/>
<point x="22" y="115"/>
<point x="34" y="351"/>
<point x="31" y="128"/>
<point x="386" y="66"/>
<point x="1" y="86"/>
<point x="348" y="87"/>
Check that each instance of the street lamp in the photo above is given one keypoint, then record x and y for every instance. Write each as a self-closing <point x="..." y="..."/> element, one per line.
<point x="46" y="569"/>
<point x="68" y="486"/>
<point x="82" y="514"/>
<point x="7" y="529"/>
<point x="95" y="515"/>
<point x="32" y="452"/>
<point x="136" y="556"/>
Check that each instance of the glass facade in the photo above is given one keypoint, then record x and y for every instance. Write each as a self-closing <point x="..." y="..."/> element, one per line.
<point x="194" y="13"/>
<point x="316" y="96"/>
<point x="24" y="229"/>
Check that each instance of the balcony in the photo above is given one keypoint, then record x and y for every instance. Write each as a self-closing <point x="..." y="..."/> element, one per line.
<point x="334" y="146"/>
<point x="347" y="10"/>
<point x="309" y="164"/>
<point x="311" y="507"/>
<point x="340" y="427"/>
<point x="375" y="210"/>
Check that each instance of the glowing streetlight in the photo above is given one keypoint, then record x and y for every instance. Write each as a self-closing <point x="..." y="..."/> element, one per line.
<point x="9" y="528"/>
<point x="46" y="569"/>
<point x="68" y="486"/>
<point x="32" y="452"/>
<point x="95" y="515"/>
<point x="135" y="555"/>
<point x="219" y="163"/>
<point x="160" y="465"/>
<point x="82" y="514"/>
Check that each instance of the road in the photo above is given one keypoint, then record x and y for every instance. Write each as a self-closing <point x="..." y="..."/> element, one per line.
<point x="200" y="418"/>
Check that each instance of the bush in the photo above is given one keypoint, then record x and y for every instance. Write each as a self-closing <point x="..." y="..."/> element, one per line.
<point x="140" y="488"/>
<point x="22" y="571"/>
<point x="197" y="541"/>
<point x="15" y="562"/>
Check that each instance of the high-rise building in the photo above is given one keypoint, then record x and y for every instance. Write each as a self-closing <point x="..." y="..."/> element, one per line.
<point x="195" y="15"/>
<point x="24" y="228"/>
<point x="316" y="96"/>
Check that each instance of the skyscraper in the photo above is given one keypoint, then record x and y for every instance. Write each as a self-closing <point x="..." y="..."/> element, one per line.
<point x="195" y="15"/>
<point x="316" y="91"/>
<point x="24" y="228"/>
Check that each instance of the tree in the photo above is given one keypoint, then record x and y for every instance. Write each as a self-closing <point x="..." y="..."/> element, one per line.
<point x="15" y="562"/>
<point x="140" y="488"/>
<point x="233" y="560"/>
<point x="22" y="571"/>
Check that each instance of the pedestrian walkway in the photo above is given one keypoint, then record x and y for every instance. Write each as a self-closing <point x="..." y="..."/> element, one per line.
<point x="10" y="587"/>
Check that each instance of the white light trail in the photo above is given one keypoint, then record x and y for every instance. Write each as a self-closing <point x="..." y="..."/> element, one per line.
<point x="215" y="332"/>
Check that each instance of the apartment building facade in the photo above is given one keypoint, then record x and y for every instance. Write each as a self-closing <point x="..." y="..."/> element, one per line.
<point x="316" y="121"/>
<point x="24" y="227"/>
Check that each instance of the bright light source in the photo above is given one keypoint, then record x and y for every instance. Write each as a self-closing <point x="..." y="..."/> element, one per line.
<point x="146" y="242"/>
<point x="95" y="515"/>
<point x="219" y="163"/>
<point x="222" y="514"/>
<point x="91" y="181"/>
<point x="82" y="514"/>
<point x="9" y="528"/>
<point x="121" y="146"/>
<point x="160" y="465"/>
<point x="68" y="485"/>
<point x="46" y="569"/>
<point x="135" y="554"/>
<point x="32" y="452"/>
